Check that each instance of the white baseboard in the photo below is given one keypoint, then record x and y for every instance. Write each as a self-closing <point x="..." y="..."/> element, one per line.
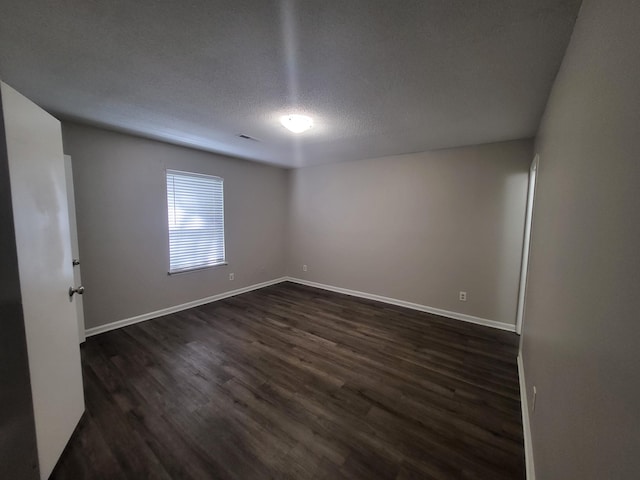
<point x="413" y="306"/>
<point x="526" y="425"/>
<point x="401" y="303"/>
<point x="177" y="308"/>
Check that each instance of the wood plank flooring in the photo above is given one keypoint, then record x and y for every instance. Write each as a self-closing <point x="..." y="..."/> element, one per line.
<point x="293" y="382"/>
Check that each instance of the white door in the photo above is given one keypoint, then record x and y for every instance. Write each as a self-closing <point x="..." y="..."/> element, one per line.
<point x="524" y="270"/>
<point x="75" y="251"/>
<point x="41" y="217"/>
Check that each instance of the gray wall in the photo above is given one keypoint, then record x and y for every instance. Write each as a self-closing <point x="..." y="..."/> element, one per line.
<point x="18" y="455"/>
<point x="418" y="227"/>
<point x="122" y="223"/>
<point x="582" y="326"/>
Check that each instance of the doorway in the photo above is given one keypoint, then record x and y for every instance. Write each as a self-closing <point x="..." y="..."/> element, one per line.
<point x="526" y="247"/>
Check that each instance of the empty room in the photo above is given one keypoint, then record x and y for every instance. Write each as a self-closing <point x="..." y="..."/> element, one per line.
<point x="297" y="239"/>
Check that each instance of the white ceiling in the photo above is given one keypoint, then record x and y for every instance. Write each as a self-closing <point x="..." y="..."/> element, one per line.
<point x="379" y="77"/>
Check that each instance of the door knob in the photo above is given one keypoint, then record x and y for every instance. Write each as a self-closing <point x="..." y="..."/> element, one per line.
<point x="75" y="262"/>
<point x="79" y="291"/>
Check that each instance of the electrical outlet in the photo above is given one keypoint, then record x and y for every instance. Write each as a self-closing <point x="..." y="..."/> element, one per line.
<point x="304" y="268"/>
<point x="232" y="276"/>
<point x="463" y="296"/>
<point x="533" y="399"/>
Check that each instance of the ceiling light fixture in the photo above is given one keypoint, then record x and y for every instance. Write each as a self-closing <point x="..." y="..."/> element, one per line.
<point x="296" y="123"/>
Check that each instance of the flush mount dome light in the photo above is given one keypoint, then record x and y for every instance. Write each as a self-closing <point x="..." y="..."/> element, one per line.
<point x="296" y="123"/>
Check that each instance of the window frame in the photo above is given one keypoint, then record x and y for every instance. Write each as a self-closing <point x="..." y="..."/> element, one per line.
<point x="184" y="173"/>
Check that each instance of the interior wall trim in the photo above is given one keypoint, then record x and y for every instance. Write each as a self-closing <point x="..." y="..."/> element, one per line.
<point x="354" y="293"/>
<point x="177" y="308"/>
<point x="526" y="425"/>
<point x="413" y="306"/>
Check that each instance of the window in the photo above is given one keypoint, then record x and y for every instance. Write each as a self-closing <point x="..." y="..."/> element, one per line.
<point x="196" y="221"/>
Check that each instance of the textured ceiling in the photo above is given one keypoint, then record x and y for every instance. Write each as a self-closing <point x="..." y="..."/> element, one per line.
<point x="379" y="77"/>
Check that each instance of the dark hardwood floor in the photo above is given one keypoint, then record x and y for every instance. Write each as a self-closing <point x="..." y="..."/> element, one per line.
<point x="298" y="383"/>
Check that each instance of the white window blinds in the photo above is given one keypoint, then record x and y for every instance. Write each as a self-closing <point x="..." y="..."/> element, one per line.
<point x="196" y="220"/>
